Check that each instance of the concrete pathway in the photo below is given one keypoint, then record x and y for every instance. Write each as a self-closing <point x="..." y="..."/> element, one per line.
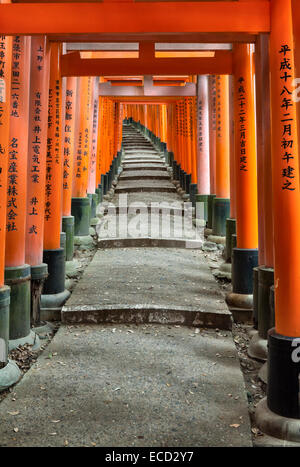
<point x="130" y="386"/>
<point x="145" y="355"/>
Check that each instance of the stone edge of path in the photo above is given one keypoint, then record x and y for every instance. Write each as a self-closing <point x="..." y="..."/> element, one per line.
<point x="149" y="242"/>
<point x="145" y="314"/>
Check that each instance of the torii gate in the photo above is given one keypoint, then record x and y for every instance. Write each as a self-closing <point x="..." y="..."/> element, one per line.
<point x="236" y="22"/>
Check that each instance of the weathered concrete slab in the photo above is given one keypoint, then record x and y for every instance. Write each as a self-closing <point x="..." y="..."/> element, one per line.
<point x="145" y="174"/>
<point x="176" y="281"/>
<point x="130" y="386"/>
<point x="145" y="185"/>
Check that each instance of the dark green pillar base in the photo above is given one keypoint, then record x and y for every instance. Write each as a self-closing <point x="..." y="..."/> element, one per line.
<point x="68" y="228"/>
<point x="243" y="262"/>
<point x="4" y="325"/>
<point x="264" y="279"/>
<point x="220" y="212"/>
<point x="39" y="274"/>
<point x="98" y="192"/>
<point x="202" y="207"/>
<point x="94" y="201"/>
<point x="54" y="294"/>
<point x="55" y="282"/>
<point x="193" y="193"/>
<point x="18" y="279"/>
<point x="80" y="209"/>
<point x="230" y="230"/>
<point x="9" y="375"/>
<point x="266" y="318"/>
<point x="210" y="199"/>
<point x="255" y="297"/>
<point x="63" y="239"/>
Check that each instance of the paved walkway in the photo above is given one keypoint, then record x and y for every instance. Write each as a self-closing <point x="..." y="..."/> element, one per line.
<point x="113" y="376"/>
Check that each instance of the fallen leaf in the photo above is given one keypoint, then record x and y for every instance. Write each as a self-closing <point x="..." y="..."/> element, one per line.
<point x="16" y="430"/>
<point x="14" y="413"/>
<point x="55" y="421"/>
<point x="235" y="425"/>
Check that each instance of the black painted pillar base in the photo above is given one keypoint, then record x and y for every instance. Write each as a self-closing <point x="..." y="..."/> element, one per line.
<point x="54" y="293"/>
<point x="255" y="298"/>
<point x="202" y="207"/>
<point x="265" y="313"/>
<point x="18" y="279"/>
<point x="193" y="193"/>
<point x="210" y="199"/>
<point x="98" y="191"/>
<point x="220" y="212"/>
<point x="187" y="182"/>
<point x="230" y="230"/>
<point x="68" y="223"/>
<point x="9" y="370"/>
<point x="243" y="262"/>
<point x="4" y="324"/>
<point x="39" y="274"/>
<point x="93" y="201"/>
<point x="81" y="210"/>
<point x="279" y="414"/>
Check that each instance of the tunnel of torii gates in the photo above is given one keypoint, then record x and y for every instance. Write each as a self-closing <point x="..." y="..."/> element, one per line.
<point x="225" y="118"/>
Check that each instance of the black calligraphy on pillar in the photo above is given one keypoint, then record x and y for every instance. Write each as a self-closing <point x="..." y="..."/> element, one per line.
<point x="3" y="97"/>
<point x="287" y="122"/>
<point x="49" y="159"/>
<point x="67" y="140"/>
<point x="12" y="186"/>
<point x="218" y="107"/>
<point x="213" y="103"/>
<point x="241" y="97"/>
<point x="12" y="190"/>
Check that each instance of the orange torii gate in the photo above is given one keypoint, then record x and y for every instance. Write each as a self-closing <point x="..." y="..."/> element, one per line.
<point x="236" y="21"/>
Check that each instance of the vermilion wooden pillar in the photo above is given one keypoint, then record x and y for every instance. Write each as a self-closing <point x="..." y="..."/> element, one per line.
<point x="203" y="146"/>
<point x="92" y="190"/>
<point x="17" y="273"/>
<point x="68" y="163"/>
<point x="93" y="122"/>
<point x="245" y="255"/>
<point x="212" y="146"/>
<point x="9" y="371"/>
<point x="80" y="202"/>
<point x="279" y="414"/>
<point x="263" y="279"/>
<point x="36" y="172"/>
<point x="221" y="203"/>
<point x="192" y="143"/>
<point x="54" y="293"/>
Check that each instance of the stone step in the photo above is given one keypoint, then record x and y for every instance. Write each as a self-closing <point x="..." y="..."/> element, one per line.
<point x="161" y="210"/>
<point x="147" y="186"/>
<point x="145" y="174"/>
<point x="148" y="285"/>
<point x="147" y="166"/>
<point x="143" y="161"/>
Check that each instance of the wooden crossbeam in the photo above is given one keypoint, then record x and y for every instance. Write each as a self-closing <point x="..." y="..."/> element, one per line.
<point x="73" y="65"/>
<point x="130" y="18"/>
